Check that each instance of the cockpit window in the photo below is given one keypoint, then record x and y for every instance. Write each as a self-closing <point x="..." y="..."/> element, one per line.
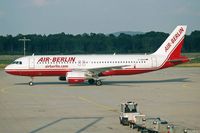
<point x="17" y="62"/>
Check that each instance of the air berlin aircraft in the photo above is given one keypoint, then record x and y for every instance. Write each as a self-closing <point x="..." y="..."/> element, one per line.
<point x="80" y="68"/>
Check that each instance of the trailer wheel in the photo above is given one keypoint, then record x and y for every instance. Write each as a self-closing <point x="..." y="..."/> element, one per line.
<point x="132" y="125"/>
<point x="144" y="131"/>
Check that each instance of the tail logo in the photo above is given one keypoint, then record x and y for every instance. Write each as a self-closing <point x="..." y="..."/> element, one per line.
<point x="174" y="38"/>
<point x="167" y="46"/>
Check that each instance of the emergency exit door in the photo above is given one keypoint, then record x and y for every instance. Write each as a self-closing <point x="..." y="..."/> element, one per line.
<point x="154" y="62"/>
<point x="32" y="62"/>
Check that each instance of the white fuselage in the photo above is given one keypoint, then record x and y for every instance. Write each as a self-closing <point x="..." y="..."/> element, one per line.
<point x="36" y="65"/>
<point x="78" y="68"/>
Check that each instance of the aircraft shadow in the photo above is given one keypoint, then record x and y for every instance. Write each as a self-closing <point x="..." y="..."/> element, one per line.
<point x="147" y="81"/>
<point x="95" y="120"/>
<point x="53" y="83"/>
<point x="114" y="82"/>
<point x="43" y="83"/>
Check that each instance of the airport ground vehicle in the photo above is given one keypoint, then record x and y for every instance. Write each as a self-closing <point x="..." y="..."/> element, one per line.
<point x="156" y="125"/>
<point x="128" y="113"/>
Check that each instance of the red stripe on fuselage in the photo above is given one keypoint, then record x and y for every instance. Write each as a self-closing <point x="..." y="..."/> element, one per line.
<point x="62" y="72"/>
<point x="38" y="72"/>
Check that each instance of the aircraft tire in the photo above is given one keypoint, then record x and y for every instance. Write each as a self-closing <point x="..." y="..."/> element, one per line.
<point x="30" y="83"/>
<point x="91" y="81"/>
<point x="98" y="82"/>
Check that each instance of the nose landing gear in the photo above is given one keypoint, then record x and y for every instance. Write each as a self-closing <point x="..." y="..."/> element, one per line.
<point x="31" y="82"/>
<point x="97" y="82"/>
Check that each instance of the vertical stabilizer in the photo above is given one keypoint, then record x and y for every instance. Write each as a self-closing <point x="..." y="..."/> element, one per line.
<point x="173" y="44"/>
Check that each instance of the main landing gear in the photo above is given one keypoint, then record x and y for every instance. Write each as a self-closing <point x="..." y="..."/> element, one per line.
<point x="97" y="82"/>
<point x="31" y="82"/>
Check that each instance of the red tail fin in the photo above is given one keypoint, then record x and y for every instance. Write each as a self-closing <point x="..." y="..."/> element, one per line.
<point x="170" y="50"/>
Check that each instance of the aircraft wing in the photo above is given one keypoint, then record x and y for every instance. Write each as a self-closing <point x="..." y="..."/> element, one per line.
<point x="95" y="71"/>
<point x="102" y="69"/>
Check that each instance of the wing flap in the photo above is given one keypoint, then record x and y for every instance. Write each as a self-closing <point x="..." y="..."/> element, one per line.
<point x="97" y="70"/>
<point x="101" y="69"/>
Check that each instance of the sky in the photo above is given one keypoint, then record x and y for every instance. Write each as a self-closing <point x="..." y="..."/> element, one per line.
<point x="96" y="16"/>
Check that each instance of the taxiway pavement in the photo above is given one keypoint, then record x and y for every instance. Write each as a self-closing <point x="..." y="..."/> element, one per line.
<point x="53" y="106"/>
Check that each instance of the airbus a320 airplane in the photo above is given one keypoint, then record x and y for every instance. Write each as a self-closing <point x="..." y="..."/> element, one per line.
<point x="80" y="68"/>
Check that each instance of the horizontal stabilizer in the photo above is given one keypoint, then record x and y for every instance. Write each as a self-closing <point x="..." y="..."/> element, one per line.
<point x="179" y="60"/>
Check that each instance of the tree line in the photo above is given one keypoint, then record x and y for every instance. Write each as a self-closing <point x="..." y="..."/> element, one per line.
<point x="92" y="43"/>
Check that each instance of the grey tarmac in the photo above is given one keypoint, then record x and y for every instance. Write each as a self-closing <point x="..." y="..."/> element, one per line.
<point x="54" y="106"/>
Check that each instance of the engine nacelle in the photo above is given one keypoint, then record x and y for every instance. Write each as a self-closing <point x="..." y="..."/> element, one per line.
<point x="76" y="80"/>
<point x="75" y="77"/>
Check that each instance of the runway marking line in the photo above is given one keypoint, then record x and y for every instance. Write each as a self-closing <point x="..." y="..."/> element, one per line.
<point x="97" y="104"/>
<point x="185" y="86"/>
<point x="96" y="119"/>
<point x="3" y="90"/>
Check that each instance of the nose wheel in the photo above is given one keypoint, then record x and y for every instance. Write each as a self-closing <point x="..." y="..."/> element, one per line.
<point x="31" y="82"/>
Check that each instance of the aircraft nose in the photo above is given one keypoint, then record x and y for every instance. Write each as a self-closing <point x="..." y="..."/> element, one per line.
<point x="7" y="68"/>
<point x="10" y="69"/>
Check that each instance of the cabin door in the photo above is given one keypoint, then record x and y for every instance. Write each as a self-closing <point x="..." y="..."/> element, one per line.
<point x="31" y="62"/>
<point x="154" y="62"/>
